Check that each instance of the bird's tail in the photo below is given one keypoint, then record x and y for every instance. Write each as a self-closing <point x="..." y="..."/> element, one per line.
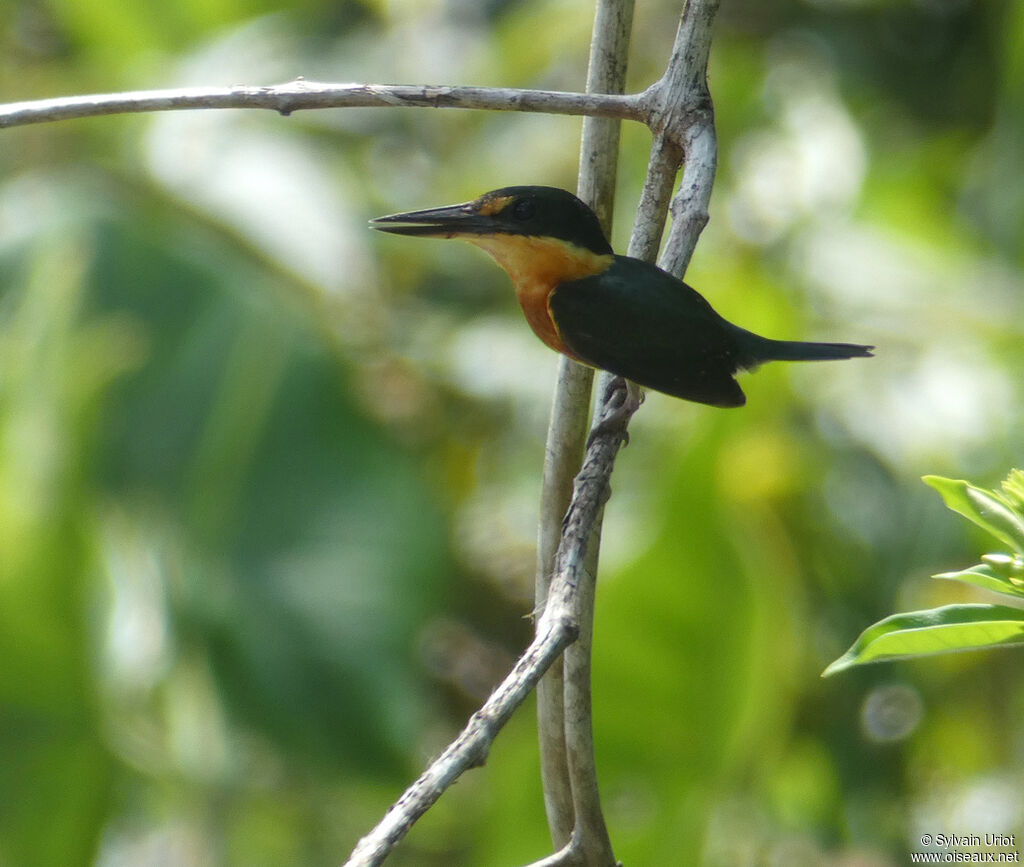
<point x="796" y="350"/>
<point x="759" y="349"/>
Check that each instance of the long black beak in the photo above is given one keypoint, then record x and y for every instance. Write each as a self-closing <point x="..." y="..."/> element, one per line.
<point x="447" y="222"/>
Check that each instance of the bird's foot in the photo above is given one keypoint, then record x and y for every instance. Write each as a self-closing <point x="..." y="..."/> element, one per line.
<point x="622" y="398"/>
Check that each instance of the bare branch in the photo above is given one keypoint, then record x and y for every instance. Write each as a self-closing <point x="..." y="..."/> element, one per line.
<point x="568" y="769"/>
<point x="301" y="94"/>
<point x="690" y="204"/>
<point x="682" y="110"/>
<point x="681" y="115"/>
<point x="682" y="118"/>
<point x="562" y="458"/>
<point x="471" y="747"/>
<point x="568" y="856"/>
<point x="556" y="629"/>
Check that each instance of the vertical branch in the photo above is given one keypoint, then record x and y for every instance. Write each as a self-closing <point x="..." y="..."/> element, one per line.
<point x="599" y="152"/>
<point x="690" y="205"/>
<point x="683" y="124"/>
<point x="680" y="115"/>
<point x="562" y="458"/>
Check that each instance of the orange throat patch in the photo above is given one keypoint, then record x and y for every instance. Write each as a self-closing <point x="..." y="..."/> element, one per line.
<point x="537" y="266"/>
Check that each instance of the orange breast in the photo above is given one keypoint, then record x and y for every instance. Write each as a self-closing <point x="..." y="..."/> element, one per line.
<point x="537" y="266"/>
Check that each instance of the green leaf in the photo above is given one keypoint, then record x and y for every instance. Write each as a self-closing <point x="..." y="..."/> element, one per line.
<point x="1010" y="568"/>
<point x="1013" y="488"/>
<point x="987" y="509"/>
<point x="937" y="630"/>
<point x="998" y="573"/>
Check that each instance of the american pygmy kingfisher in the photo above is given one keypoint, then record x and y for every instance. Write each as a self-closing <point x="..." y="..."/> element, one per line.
<point x="613" y="312"/>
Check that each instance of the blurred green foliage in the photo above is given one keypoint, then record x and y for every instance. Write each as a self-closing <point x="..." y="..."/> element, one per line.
<point x="268" y="483"/>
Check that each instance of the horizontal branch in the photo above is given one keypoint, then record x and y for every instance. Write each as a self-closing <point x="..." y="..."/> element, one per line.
<point x="301" y="94"/>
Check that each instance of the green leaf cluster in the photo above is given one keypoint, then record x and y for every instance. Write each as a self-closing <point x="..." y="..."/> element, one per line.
<point x="950" y="628"/>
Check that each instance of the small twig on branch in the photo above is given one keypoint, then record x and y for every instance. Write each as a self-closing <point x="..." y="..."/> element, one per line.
<point x="567" y="856"/>
<point x="301" y="94"/>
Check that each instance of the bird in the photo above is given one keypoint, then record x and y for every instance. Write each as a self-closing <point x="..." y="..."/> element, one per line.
<point x="611" y="312"/>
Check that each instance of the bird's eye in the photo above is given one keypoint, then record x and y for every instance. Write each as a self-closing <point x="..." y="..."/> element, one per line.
<point x="524" y="209"/>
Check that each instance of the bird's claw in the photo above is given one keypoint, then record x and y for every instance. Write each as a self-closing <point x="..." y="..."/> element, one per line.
<point x="622" y="398"/>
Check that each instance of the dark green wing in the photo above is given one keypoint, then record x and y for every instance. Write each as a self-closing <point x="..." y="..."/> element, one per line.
<point x="639" y="322"/>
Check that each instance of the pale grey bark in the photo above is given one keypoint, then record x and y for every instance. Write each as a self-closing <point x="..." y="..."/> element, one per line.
<point x="300" y="95"/>
<point x="565" y="732"/>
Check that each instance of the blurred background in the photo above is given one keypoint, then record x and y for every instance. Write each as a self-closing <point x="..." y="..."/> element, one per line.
<point x="269" y="481"/>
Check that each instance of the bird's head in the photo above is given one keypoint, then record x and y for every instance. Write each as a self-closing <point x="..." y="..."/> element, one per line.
<point x="533" y="212"/>
<point x="543" y="237"/>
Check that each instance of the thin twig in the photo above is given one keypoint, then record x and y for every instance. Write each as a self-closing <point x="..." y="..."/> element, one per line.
<point x="567" y="856"/>
<point x="300" y="94"/>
